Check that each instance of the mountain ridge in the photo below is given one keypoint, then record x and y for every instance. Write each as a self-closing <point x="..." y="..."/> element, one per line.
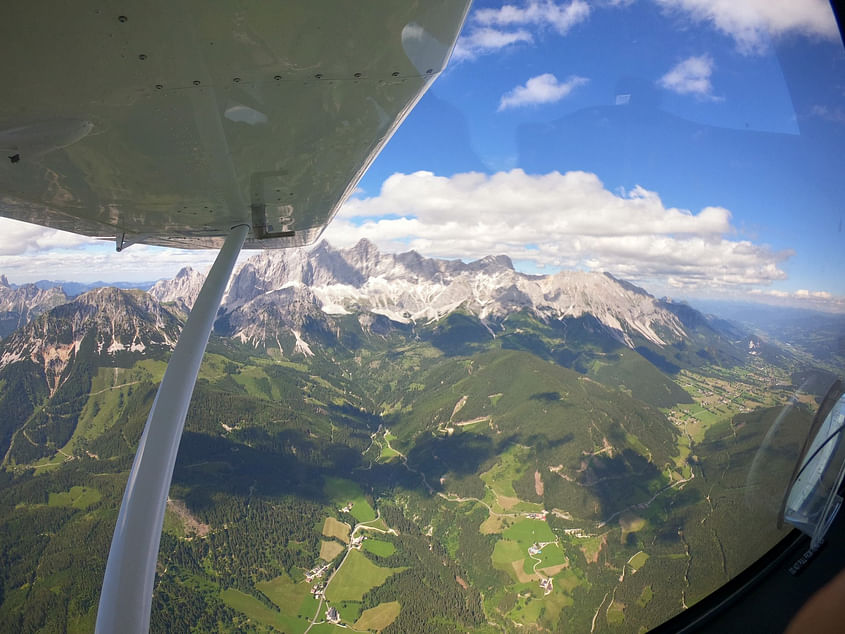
<point x="124" y="321"/>
<point x="409" y="288"/>
<point x="302" y="301"/>
<point x="20" y="304"/>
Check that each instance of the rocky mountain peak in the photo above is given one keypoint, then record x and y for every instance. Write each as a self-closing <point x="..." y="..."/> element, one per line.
<point x="182" y="290"/>
<point x="366" y="248"/>
<point x="117" y="321"/>
<point x="627" y="285"/>
<point x="275" y="294"/>
<point x="115" y="304"/>
<point x="273" y="317"/>
<point x="492" y="262"/>
<point x="411" y="288"/>
<point x="18" y="306"/>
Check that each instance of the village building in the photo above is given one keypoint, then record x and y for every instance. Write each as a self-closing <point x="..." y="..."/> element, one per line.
<point x="316" y="572"/>
<point x="332" y="615"/>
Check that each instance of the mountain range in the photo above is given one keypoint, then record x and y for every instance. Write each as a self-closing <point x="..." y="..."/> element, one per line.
<point x="405" y="288"/>
<point x="410" y="289"/>
<point x="299" y="301"/>
<point x="475" y="410"/>
<point x="327" y="301"/>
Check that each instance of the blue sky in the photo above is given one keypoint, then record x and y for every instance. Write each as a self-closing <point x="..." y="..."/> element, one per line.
<point x="692" y="146"/>
<point x="710" y="138"/>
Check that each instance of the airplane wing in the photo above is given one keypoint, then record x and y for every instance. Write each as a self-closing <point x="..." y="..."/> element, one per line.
<point x="168" y="123"/>
<point x="200" y="124"/>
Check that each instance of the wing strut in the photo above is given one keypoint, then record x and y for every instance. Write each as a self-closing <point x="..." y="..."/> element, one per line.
<point x="128" y="583"/>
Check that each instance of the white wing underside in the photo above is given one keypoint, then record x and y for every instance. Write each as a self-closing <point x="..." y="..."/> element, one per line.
<point x="168" y="123"/>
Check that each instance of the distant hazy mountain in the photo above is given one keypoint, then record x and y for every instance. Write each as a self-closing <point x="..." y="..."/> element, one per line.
<point x="72" y="289"/>
<point x="20" y="303"/>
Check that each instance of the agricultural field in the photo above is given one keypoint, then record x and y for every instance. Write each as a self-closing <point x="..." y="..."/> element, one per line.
<point x="330" y="549"/>
<point x="285" y="593"/>
<point x="719" y="394"/>
<point x="616" y="613"/>
<point x="387" y="452"/>
<point x="529" y="531"/>
<point x="551" y="557"/>
<point x="379" y="617"/>
<point x="355" y="577"/>
<point x="379" y="547"/>
<point x="78" y="497"/>
<point x="253" y="608"/>
<point x="505" y="554"/>
<point x="499" y="480"/>
<point x="295" y="603"/>
<point x="645" y="596"/>
<point x="349" y="611"/>
<point x="343" y="492"/>
<point x="638" y="561"/>
<point x="337" y="529"/>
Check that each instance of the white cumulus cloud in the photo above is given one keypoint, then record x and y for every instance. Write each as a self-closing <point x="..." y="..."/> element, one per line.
<point x="751" y="22"/>
<point x="803" y="298"/>
<point x="559" y="16"/>
<point x="544" y="88"/>
<point x="691" y="77"/>
<point x="558" y="220"/>
<point x="803" y="292"/>
<point x="30" y="252"/>
<point x="491" y="30"/>
<point x="486" y="40"/>
<point x="17" y="238"/>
